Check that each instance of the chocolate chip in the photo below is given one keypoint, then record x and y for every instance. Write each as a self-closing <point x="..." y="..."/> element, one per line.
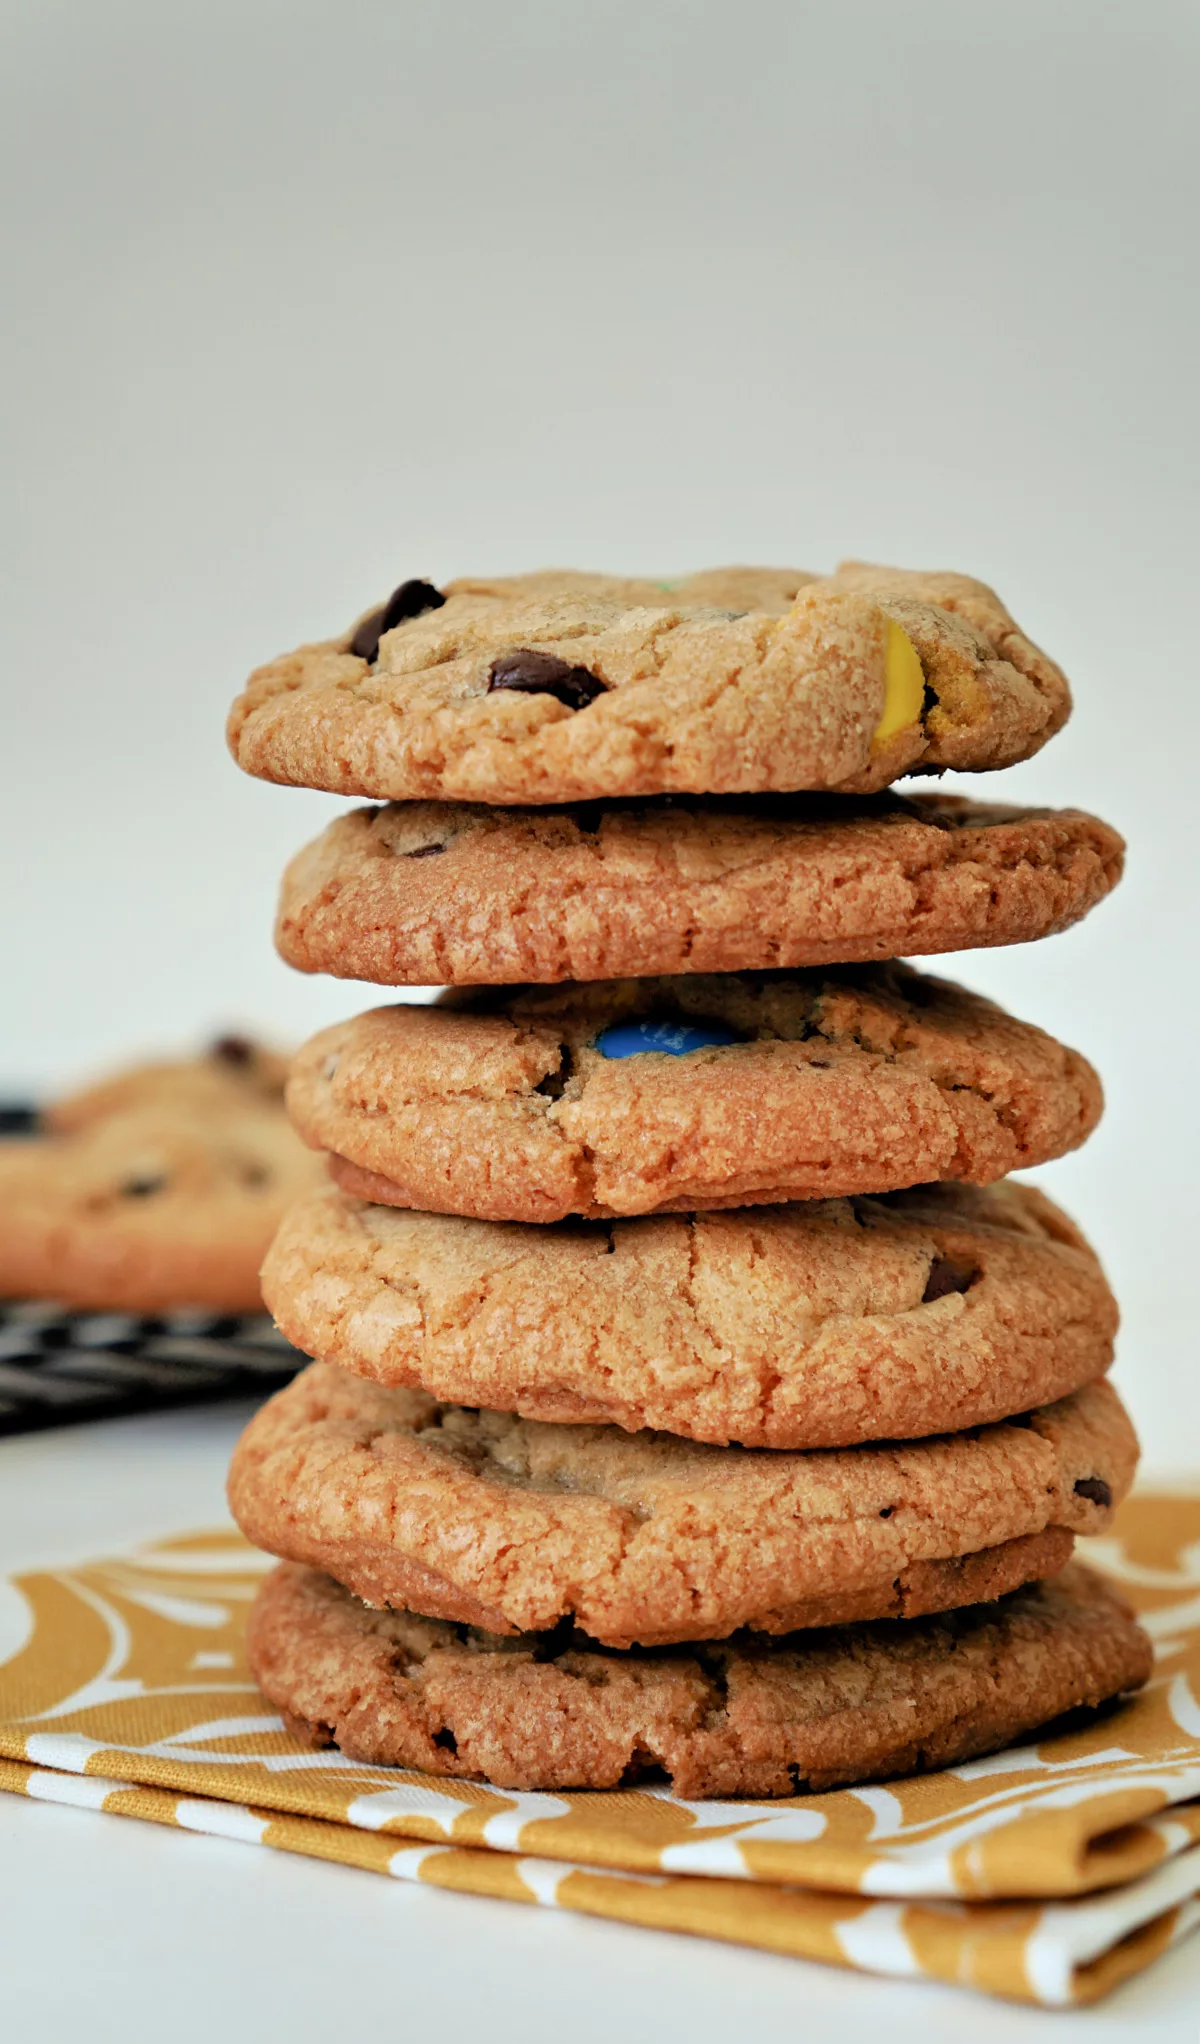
<point x="945" y="1277"/>
<point x="411" y="599"/>
<point x="233" y="1050"/>
<point x="1095" y="1490"/>
<point x="142" y="1188"/>
<point x="366" y="639"/>
<point x="544" y="674"/>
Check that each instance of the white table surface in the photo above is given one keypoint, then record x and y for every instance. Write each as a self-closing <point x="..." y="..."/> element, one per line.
<point x="111" y="1929"/>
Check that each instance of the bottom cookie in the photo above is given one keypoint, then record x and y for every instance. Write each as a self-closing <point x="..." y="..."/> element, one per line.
<point x="742" y="1717"/>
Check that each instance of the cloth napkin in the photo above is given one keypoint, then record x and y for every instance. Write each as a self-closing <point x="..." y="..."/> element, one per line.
<point x="1047" y="1873"/>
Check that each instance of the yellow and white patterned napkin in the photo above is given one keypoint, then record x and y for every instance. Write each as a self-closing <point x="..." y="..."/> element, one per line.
<point x="1047" y="1873"/>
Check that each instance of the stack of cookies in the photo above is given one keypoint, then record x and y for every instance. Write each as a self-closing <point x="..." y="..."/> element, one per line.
<point x="696" y="1394"/>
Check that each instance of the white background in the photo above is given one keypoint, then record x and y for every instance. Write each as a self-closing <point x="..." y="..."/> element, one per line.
<point x="304" y="299"/>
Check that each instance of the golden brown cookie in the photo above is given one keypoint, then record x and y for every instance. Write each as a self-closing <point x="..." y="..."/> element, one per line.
<point x="744" y="1717"/>
<point x="642" y="1096"/>
<point x="514" y="1525"/>
<point x="562" y="688"/>
<point x="160" y="1188"/>
<point x="232" y="1074"/>
<point x="814" y="1325"/>
<point x="439" y="893"/>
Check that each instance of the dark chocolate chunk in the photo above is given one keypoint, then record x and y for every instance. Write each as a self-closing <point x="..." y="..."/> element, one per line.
<point x="233" y="1050"/>
<point x="544" y="674"/>
<point x="366" y="639"/>
<point x="411" y="599"/>
<point x="1094" y="1489"/>
<point x="945" y="1277"/>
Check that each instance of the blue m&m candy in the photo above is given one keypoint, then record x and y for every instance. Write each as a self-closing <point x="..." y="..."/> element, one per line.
<point x="629" y="1039"/>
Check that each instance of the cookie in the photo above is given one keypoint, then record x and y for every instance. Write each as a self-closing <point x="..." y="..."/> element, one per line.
<point x="642" y="1096"/>
<point x="159" y="1189"/>
<point x="815" y="1325"/>
<point x="515" y="1525"/>
<point x="234" y="1073"/>
<point x="560" y="689"/>
<point x="744" y="1717"/>
<point x="436" y="893"/>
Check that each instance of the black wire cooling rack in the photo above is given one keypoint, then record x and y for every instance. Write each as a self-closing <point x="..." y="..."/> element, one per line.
<point x="59" y="1366"/>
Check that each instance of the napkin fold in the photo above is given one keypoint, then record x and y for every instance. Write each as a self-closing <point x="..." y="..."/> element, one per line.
<point x="1046" y="1873"/>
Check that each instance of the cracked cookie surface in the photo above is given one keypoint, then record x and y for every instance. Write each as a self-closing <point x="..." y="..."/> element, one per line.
<point x="818" y="1324"/>
<point x="738" y="681"/>
<point x="745" y="1717"/>
<point x="500" y="1106"/>
<point x="159" y="1188"/>
<point x="514" y="1525"/>
<point x="438" y="893"/>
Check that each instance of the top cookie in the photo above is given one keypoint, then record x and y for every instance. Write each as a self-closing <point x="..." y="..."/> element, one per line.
<point x="563" y="687"/>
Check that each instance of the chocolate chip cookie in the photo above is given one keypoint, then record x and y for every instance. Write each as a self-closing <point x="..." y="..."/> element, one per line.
<point x="566" y="688"/>
<point x="232" y="1074"/>
<point x="160" y="1188"/>
<point x="741" y="1717"/>
<point x="814" y="1325"/>
<point x="515" y="1525"/>
<point x="439" y="893"/>
<point x="653" y="1095"/>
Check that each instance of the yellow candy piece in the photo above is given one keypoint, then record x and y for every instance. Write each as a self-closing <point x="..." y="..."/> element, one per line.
<point x="904" y="682"/>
